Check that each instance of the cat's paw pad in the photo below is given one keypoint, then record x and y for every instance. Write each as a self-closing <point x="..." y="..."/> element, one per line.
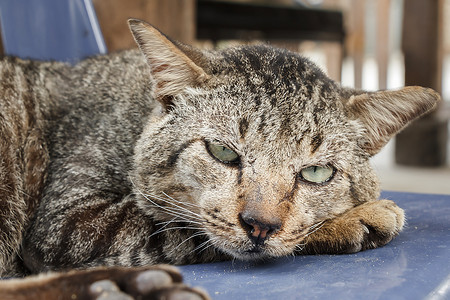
<point x="374" y="224"/>
<point x="155" y="284"/>
<point x="107" y="289"/>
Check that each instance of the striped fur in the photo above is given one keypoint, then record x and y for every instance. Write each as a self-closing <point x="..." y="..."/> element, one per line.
<point x="105" y="163"/>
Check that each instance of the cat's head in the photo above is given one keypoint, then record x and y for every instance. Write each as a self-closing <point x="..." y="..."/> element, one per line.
<point x="255" y="146"/>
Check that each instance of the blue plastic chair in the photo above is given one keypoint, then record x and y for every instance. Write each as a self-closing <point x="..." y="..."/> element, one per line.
<point x="62" y="30"/>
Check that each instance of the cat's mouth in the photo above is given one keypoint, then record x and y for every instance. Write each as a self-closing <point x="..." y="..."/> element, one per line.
<point x="256" y="253"/>
<point x="255" y="250"/>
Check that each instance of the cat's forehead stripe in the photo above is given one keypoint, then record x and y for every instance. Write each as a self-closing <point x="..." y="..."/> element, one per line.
<point x="316" y="141"/>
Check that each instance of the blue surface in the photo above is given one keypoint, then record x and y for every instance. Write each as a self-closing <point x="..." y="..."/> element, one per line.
<point x="415" y="265"/>
<point x="63" y="30"/>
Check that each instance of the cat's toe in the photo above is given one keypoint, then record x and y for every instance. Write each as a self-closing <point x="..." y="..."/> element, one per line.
<point x="380" y="222"/>
<point x="152" y="284"/>
<point x="151" y="280"/>
<point x="366" y="226"/>
<point x="159" y="282"/>
<point x="107" y="290"/>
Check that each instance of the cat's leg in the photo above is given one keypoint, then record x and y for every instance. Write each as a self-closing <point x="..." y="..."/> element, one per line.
<point x="22" y="174"/>
<point x="366" y="226"/>
<point x="95" y="231"/>
<point x="12" y="203"/>
<point x="12" y="212"/>
<point x="156" y="282"/>
<point x="91" y="231"/>
<point x="23" y="161"/>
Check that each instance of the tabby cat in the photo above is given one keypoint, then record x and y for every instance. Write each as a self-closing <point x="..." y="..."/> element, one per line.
<point x="175" y="155"/>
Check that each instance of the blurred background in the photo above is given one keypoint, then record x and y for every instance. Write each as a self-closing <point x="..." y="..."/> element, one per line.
<point x="368" y="44"/>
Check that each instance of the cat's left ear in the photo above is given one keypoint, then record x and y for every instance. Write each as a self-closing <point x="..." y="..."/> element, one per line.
<point x="172" y="64"/>
<point x="385" y="113"/>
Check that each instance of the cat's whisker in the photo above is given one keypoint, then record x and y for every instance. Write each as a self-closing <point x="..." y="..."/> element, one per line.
<point x="315" y="227"/>
<point x="164" y="225"/>
<point x="205" y="245"/>
<point x="149" y="196"/>
<point x="180" y="212"/>
<point x="173" y="212"/>
<point x="171" y="203"/>
<point x="299" y="247"/>
<point x="317" y="224"/>
<point x="177" y="215"/>
<point x="199" y="247"/>
<point x="171" y="228"/>
<point x="181" y="202"/>
<point x="174" y="220"/>
<point x="233" y="261"/>
<point x="175" y="206"/>
<point x="189" y="238"/>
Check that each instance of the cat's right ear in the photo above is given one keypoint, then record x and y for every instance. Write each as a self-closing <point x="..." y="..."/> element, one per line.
<point x="384" y="113"/>
<point x="171" y="67"/>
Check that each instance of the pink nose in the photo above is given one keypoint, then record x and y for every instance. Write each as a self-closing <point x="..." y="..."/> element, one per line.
<point x="258" y="231"/>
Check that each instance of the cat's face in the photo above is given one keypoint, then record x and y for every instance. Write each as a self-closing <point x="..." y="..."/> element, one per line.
<point x="255" y="147"/>
<point x="276" y="152"/>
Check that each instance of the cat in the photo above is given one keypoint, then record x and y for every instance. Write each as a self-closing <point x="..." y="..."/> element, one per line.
<point x="168" y="154"/>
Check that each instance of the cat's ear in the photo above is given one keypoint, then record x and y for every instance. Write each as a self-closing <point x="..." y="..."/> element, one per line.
<point x="171" y="67"/>
<point x="385" y="113"/>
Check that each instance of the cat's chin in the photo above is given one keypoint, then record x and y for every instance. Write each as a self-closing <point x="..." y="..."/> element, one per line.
<point x="250" y="256"/>
<point x="253" y="254"/>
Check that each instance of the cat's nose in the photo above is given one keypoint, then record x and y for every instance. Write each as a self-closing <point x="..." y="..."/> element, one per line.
<point x="259" y="230"/>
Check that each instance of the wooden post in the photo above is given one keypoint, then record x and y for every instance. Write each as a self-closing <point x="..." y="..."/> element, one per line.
<point x="355" y="37"/>
<point x="382" y="51"/>
<point x="176" y="18"/>
<point x="425" y="142"/>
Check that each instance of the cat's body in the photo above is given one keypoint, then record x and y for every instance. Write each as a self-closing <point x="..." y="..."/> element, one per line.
<point x="92" y="182"/>
<point x="249" y="153"/>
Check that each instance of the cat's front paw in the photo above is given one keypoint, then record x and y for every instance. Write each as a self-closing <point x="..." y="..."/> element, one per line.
<point x="118" y="283"/>
<point x="369" y="225"/>
<point x="373" y="224"/>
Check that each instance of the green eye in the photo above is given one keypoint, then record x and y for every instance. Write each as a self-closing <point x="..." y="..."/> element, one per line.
<point x="222" y="153"/>
<point x="317" y="174"/>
